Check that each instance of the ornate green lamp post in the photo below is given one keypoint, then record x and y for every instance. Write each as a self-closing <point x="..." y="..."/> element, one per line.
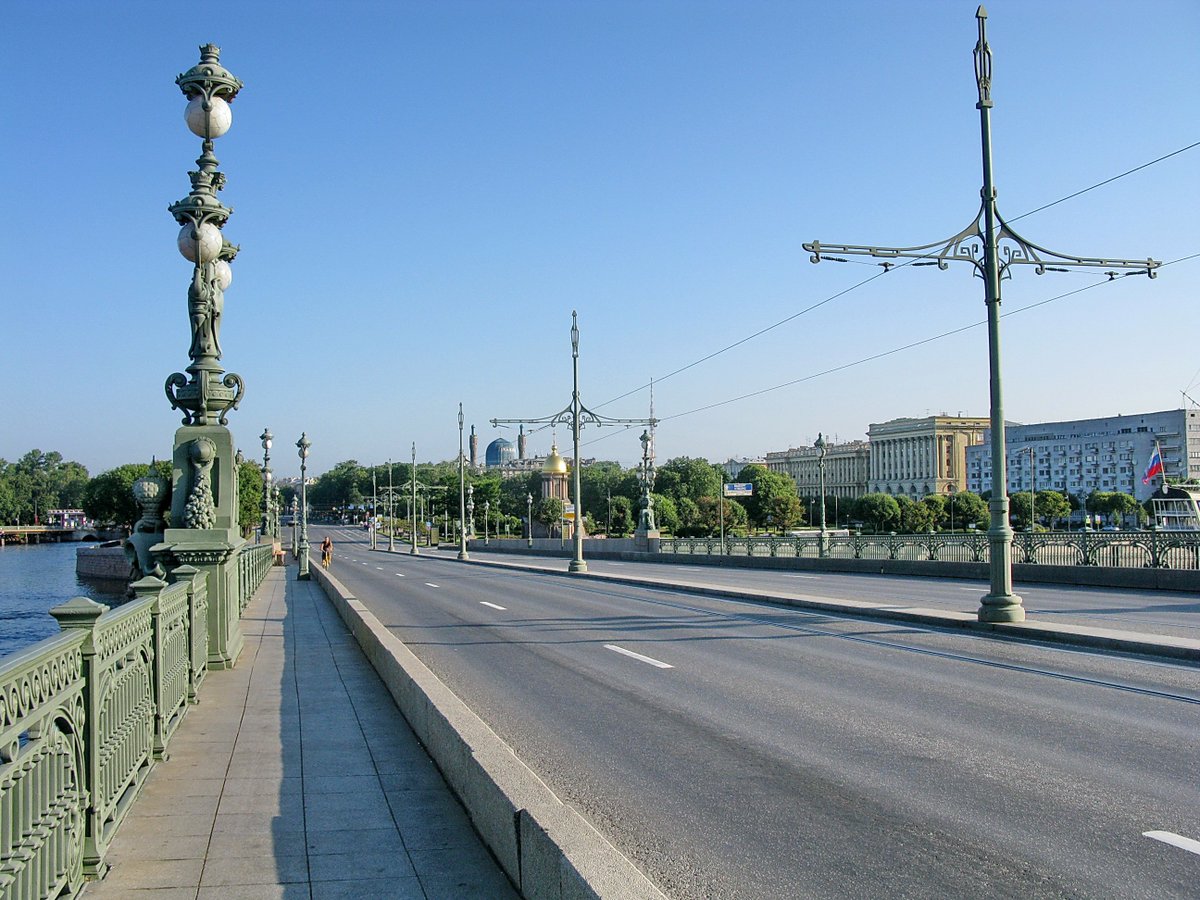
<point x="470" y="510"/>
<point x="205" y="533"/>
<point x="303" y="446"/>
<point x="295" y="510"/>
<point x="647" y="528"/>
<point x="266" y="437"/>
<point x="529" y="518"/>
<point x="979" y="244"/>
<point x="462" y="502"/>
<point x="204" y="395"/>
<point x="487" y="511"/>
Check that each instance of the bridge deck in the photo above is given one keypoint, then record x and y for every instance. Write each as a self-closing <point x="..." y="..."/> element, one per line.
<point x="296" y="777"/>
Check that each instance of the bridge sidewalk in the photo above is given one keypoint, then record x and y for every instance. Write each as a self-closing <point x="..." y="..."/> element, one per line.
<point x="296" y="778"/>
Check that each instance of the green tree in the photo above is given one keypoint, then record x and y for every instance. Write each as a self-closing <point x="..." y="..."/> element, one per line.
<point x="250" y="496"/>
<point x="770" y="489"/>
<point x="690" y="520"/>
<point x="341" y="486"/>
<point x="1052" y="506"/>
<point x="916" y="517"/>
<point x="939" y="510"/>
<point x="687" y="477"/>
<point x="736" y="519"/>
<point x="666" y="516"/>
<point x="549" y="512"/>
<point x="595" y="483"/>
<point x="880" y="511"/>
<point x="108" y="498"/>
<point x="623" y="518"/>
<point x="513" y="493"/>
<point x="965" y="508"/>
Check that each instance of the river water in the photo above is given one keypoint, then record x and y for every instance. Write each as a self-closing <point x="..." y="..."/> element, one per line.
<point x="35" y="578"/>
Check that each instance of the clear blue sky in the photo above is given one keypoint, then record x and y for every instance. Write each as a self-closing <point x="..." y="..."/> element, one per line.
<point x="423" y="191"/>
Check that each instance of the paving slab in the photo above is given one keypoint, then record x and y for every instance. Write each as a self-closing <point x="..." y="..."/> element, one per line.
<point x="297" y="778"/>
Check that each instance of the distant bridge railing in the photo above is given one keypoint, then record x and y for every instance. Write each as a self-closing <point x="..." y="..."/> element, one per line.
<point x="1120" y="549"/>
<point x="84" y="716"/>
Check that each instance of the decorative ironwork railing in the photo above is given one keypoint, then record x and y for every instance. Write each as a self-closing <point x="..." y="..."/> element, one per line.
<point x="85" y="715"/>
<point x="253" y="564"/>
<point x="1120" y="549"/>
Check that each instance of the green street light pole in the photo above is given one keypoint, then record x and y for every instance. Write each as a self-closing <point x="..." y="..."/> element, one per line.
<point x="374" y="520"/>
<point x="303" y="444"/>
<point x="979" y="245"/>
<point x="576" y="415"/>
<point x="414" y="551"/>
<point x="391" y="519"/>
<point x="529" y="518"/>
<point x="1032" y="491"/>
<point x="821" y="451"/>
<point x="462" y="496"/>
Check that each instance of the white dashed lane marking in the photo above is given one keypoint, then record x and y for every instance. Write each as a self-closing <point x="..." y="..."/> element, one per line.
<point x="657" y="663"/>
<point x="492" y="605"/>
<point x="1175" y="840"/>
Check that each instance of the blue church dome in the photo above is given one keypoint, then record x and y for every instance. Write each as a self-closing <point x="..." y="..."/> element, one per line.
<point x="499" y="452"/>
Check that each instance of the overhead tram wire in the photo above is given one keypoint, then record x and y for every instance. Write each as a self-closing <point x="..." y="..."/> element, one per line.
<point x="892" y="352"/>
<point x="886" y="268"/>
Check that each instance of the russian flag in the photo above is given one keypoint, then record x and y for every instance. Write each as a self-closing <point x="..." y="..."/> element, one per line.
<point x="1155" y="466"/>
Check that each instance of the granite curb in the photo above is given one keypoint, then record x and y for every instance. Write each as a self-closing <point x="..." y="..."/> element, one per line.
<point x="546" y="848"/>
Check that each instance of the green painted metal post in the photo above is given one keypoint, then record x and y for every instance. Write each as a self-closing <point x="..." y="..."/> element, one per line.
<point x="303" y="446"/>
<point x="462" y="497"/>
<point x="414" y="551"/>
<point x="978" y="244"/>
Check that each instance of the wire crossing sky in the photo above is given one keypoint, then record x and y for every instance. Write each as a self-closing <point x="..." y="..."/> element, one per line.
<point x="423" y="191"/>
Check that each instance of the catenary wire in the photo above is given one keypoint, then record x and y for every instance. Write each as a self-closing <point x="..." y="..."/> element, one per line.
<point x="893" y="351"/>
<point x="885" y="270"/>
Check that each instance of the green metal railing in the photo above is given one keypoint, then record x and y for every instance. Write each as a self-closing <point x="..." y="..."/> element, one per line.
<point x="85" y="715"/>
<point x="1119" y="549"/>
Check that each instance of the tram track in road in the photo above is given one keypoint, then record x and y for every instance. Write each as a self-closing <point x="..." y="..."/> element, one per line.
<point x="678" y="604"/>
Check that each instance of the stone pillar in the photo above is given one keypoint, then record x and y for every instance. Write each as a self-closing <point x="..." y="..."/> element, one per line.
<point x="205" y="533"/>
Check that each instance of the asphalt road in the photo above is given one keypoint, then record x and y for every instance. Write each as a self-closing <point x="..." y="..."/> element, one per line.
<point x="741" y="750"/>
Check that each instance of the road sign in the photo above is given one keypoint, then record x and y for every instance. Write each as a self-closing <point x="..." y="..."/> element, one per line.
<point x="739" y="489"/>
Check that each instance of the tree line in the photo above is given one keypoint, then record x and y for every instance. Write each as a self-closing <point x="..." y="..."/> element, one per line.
<point x="688" y="499"/>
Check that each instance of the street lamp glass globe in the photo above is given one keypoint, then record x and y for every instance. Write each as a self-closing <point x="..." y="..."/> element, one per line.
<point x="224" y="274"/>
<point x="210" y="123"/>
<point x="210" y="241"/>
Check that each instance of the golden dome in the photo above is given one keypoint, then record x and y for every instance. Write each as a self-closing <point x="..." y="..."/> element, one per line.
<point x="554" y="464"/>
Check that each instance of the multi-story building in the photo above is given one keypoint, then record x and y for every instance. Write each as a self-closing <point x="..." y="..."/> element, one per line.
<point x="733" y="465"/>
<point x="1089" y="455"/>
<point x="917" y="457"/>
<point x="847" y="468"/>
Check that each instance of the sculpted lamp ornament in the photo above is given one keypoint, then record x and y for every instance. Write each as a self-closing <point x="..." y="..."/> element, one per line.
<point x="206" y="393"/>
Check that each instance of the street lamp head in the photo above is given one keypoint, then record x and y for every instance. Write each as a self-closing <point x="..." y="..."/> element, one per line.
<point x="574" y="334"/>
<point x="303" y="444"/>
<point x="266" y="437"/>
